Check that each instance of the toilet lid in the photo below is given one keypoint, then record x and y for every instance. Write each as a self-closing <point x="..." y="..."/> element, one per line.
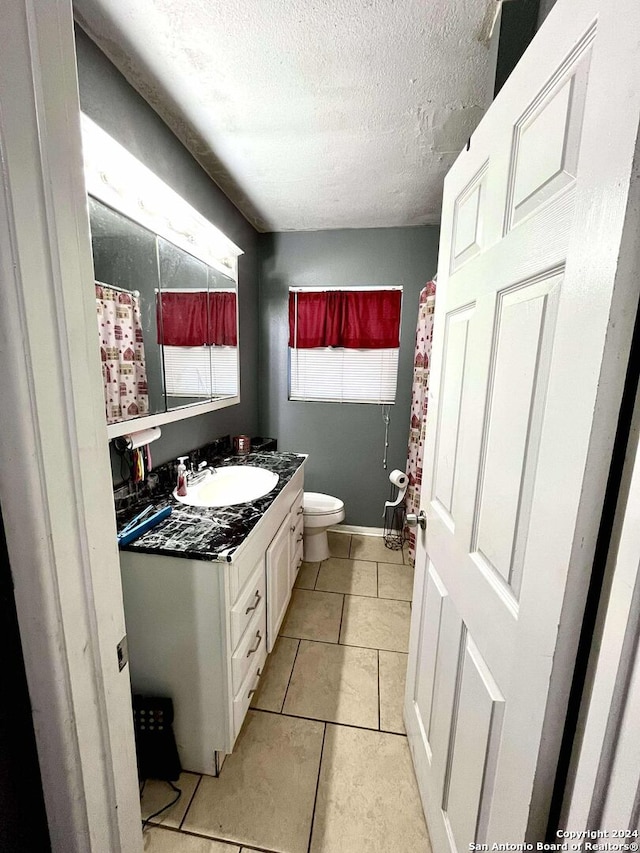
<point x="316" y="503"/>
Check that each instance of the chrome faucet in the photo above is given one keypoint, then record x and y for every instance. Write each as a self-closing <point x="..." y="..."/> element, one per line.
<point x="195" y="475"/>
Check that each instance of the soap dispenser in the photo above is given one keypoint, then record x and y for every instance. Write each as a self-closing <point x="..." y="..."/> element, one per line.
<point x="181" y="486"/>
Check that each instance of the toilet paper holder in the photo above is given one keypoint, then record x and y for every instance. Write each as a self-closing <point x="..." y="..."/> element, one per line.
<point x="394" y="512"/>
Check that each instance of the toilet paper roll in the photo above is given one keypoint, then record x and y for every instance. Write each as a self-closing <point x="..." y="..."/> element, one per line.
<point x="144" y="436"/>
<point x="399" y="479"/>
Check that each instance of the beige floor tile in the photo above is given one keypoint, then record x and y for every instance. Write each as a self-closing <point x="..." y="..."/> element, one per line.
<point x="335" y="683"/>
<point x="156" y="794"/>
<point x="339" y="543"/>
<point x="393" y="673"/>
<point x="395" y="581"/>
<point x="377" y="623"/>
<point x="313" y="616"/>
<point x="264" y="796"/>
<point x="372" y="548"/>
<point x="356" y="577"/>
<point x="307" y="576"/>
<point x="158" y="840"/>
<point x="275" y="678"/>
<point x="367" y="795"/>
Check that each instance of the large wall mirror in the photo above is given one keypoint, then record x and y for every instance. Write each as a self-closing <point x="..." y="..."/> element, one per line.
<point x="166" y="297"/>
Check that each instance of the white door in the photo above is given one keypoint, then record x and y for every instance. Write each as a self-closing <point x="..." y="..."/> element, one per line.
<point x="537" y="290"/>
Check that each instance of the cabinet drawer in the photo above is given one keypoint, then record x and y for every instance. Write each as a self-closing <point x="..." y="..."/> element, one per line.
<point x="249" y="686"/>
<point x="297" y="507"/>
<point x="250" y="647"/>
<point x="247" y="604"/>
<point x="240" y="572"/>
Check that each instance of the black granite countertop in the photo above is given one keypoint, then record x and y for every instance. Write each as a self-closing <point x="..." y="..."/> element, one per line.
<point x="203" y="533"/>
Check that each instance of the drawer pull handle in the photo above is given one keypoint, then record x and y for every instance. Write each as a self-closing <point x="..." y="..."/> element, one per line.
<point x="257" y="645"/>
<point x="300" y="511"/>
<point x="300" y="538"/>
<point x="292" y="528"/>
<point x="253" y="689"/>
<point x="255" y="604"/>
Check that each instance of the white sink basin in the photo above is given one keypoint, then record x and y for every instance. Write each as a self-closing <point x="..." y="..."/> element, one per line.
<point x="231" y="484"/>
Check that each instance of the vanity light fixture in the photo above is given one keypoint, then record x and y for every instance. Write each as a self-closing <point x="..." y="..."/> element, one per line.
<point x="117" y="178"/>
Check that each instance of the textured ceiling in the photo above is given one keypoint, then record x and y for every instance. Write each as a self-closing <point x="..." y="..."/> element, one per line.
<point x="310" y="114"/>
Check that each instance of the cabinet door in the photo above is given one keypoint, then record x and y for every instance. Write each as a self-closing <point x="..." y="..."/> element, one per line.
<point x="278" y="581"/>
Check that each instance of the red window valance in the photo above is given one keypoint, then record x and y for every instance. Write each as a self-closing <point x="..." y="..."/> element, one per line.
<point x="197" y="318"/>
<point x="354" y="319"/>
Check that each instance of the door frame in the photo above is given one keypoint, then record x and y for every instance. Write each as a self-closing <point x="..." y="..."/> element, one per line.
<point x="602" y="782"/>
<point x="55" y="480"/>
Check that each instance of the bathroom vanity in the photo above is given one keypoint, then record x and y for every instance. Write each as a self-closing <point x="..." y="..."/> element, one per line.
<point x="204" y="598"/>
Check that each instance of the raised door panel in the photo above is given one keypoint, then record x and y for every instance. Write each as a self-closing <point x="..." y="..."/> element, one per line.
<point x="546" y="139"/>
<point x="460" y="708"/>
<point x="473" y="747"/>
<point x="446" y="457"/>
<point x="522" y="341"/>
<point x="468" y="217"/>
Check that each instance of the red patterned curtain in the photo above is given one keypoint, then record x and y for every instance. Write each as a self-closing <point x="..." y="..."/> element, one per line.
<point x="419" y="402"/>
<point x="354" y="319"/>
<point x="223" y="328"/>
<point x="195" y="318"/>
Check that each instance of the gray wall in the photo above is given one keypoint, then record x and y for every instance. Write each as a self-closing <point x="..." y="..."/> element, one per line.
<point x="545" y="7"/>
<point x="107" y="98"/>
<point x="344" y="441"/>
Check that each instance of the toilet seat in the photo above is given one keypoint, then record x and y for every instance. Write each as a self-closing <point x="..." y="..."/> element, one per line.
<point x="315" y="503"/>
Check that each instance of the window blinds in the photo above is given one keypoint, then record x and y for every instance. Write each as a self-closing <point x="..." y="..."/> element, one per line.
<point x="343" y="375"/>
<point x="200" y="371"/>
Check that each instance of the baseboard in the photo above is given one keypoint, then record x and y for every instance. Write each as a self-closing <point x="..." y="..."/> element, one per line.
<point x="353" y="528"/>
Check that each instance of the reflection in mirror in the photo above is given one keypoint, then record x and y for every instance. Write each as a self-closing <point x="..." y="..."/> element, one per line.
<point x="182" y="326"/>
<point x="152" y="246"/>
<point x="223" y="334"/>
<point x="197" y="328"/>
<point x="126" y="271"/>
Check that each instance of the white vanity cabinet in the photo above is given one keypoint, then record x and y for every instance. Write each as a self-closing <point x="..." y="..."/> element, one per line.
<point x="199" y="630"/>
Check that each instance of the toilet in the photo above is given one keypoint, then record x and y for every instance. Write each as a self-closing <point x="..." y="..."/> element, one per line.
<point x="320" y="512"/>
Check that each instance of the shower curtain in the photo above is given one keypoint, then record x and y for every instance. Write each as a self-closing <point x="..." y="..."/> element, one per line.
<point x="419" y="403"/>
<point x="122" y="352"/>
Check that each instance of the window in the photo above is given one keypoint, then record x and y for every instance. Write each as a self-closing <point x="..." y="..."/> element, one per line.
<point x="198" y="332"/>
<point x="344" y="344"/>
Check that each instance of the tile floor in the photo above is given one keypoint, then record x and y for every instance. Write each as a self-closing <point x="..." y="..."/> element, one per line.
<point x="322" y="763"/>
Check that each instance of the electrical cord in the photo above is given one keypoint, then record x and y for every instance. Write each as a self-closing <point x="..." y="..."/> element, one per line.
<point x="145" y="822"/>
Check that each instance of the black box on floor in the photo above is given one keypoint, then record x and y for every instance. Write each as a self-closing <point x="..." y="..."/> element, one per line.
<point x="155" y="742"/>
